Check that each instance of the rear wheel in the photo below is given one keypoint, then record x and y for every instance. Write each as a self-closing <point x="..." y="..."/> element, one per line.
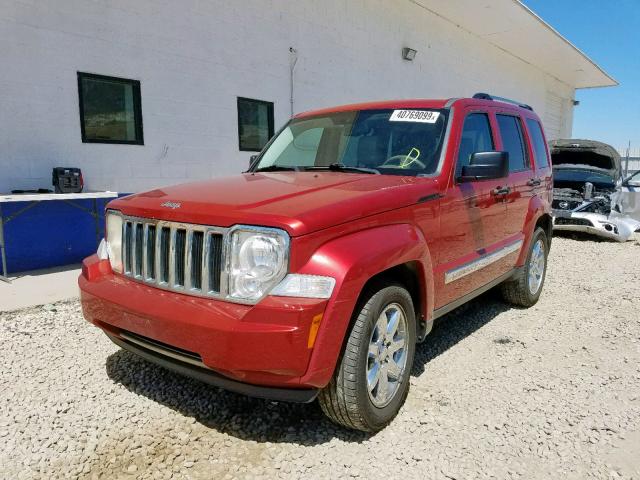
<point x="371" y="382"/>
<point x="525" y="288"/>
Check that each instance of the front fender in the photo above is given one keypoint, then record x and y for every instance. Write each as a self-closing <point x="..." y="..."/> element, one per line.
<point x="352" y="260"/>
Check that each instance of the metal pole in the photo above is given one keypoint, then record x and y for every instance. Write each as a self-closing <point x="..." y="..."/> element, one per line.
<point x="293" y="59"/>
<point x="96" y="216"/>
<point x="626" y="165"/>
<point x="3" y="277"/>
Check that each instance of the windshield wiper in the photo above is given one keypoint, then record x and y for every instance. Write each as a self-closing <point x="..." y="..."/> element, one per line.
<point x="339" y="167"/>
<point x="277" y="168"/>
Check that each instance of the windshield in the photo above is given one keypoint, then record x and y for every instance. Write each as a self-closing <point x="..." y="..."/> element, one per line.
<point x="393" y="142"/>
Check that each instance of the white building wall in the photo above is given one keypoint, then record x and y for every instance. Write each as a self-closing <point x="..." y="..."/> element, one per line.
<point x="194" y="58"/>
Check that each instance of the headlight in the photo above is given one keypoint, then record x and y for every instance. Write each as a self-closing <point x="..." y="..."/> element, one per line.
<point x="258" y="261"/>
<point x="114" y="240"/>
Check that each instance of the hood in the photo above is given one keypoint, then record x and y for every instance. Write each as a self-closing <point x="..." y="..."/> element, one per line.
<point x="299" y="202"/>
<point x="588" y="155"/>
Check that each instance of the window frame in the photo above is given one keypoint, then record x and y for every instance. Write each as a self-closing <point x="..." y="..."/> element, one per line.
<point x="137" y="108"/>
<point x="468" y="113"/>
<point x="523" y="139"/>
<point x="270" y="122"/>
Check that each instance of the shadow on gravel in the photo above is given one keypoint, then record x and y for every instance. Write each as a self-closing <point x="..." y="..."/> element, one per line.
<point x="456" y="326"/>
<point x="265" y="421"/>
<point x="237" y="415"/>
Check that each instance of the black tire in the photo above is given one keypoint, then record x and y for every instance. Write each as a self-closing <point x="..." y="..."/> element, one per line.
<point x="346" y="400"/>
<point x="516" y="290"/>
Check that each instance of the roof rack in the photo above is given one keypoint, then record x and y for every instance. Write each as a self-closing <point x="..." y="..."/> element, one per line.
<point x="486" y="96"/>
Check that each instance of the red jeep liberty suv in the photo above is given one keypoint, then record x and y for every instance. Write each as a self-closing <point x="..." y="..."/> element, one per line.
<point x="316" y="272"/>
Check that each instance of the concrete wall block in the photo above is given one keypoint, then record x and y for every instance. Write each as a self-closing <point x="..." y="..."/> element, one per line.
<point x="194" y="58"/>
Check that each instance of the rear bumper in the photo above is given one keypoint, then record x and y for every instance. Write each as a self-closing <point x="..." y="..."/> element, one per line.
<point x="263" y="345"/>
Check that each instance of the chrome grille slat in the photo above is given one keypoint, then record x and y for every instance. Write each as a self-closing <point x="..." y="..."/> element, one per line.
<point x="215" y="269"/>
<point x="187" y="259"/>
<point x="174" y="256"/>
<point x="150" y="252"/>
<point x="139" y="245"/>
<point x="165" y="254"/>
<point x="127" y="245"/>
<point x="195" y="250"/>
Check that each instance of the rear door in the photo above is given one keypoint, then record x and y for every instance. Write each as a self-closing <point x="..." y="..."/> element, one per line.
<point x="521" y="176"/>
<point x="542" y="178"/>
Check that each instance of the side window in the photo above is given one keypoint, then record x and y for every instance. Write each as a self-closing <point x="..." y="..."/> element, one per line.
<point x="538" y="143"/>
<point x="512" y="141"/>
<point x="476" y="137"/>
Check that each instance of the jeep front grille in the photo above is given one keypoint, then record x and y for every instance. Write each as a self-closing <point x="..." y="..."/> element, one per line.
<point x="175" y="256"/>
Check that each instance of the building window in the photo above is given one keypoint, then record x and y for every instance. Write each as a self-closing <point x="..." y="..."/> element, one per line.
<point x="255" y="124"/>
<point x="110" y="109"/>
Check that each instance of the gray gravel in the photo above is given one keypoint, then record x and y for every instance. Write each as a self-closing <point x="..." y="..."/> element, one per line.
<point x="497" y="392"/>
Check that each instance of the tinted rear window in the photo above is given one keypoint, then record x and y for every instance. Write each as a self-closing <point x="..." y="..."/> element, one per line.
<point x="512" y="141"/>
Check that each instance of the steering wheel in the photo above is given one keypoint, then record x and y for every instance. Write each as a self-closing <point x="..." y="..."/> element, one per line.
<point x="400" y="161"/>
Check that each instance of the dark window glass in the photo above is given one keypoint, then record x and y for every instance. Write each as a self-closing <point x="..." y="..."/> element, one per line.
<point x="109" y="109"/>
<point x="255" y="124"/>
<point x="476" y="137"/>
<point x="512" y="141"/>
<point x="539" y="145"/>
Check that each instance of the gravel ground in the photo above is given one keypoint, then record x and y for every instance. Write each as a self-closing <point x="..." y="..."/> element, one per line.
<point x="549" y="392"/>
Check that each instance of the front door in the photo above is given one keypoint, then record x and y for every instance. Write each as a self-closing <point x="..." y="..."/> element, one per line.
<point x="472" y="218"/>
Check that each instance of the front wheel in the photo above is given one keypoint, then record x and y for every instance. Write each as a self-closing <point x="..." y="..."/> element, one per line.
<point x="371" y="381"/>
<point x="525" y="288"/>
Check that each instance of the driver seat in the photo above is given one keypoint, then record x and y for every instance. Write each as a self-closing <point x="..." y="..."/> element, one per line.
<point x="371" y="151"/>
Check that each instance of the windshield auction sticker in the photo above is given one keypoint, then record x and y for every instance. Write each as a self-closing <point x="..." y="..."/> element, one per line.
<point x="421" y="116"/>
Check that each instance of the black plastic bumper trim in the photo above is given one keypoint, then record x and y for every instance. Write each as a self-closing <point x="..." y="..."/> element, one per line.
<point x="212" y="378"/>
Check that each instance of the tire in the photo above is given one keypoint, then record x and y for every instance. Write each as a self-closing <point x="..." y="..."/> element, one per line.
<point x="348" y="400"/>
<point x="525" y="287"/>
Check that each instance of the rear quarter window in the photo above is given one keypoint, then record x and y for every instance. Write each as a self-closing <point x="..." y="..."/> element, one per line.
<point x="537" y="142"/>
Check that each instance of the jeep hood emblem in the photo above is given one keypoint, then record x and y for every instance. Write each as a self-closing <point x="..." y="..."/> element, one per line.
<point x="172" y="205"/>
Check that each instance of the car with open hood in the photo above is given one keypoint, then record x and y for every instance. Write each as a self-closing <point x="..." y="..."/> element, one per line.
<point x="588" y="193"/>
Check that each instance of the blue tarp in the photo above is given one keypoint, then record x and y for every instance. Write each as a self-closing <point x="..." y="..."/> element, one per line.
<point x="51" y="233"/>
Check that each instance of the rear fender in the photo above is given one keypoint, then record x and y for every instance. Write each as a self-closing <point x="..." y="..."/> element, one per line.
<point x="537" y="208"/>
<point x="352" y="260"/>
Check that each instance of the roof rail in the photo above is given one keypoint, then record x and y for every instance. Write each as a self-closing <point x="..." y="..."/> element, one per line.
<point x="486" y="96"/>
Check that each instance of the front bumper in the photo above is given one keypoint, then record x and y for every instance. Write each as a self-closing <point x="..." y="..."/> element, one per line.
<point x="610" y="227"/>
<point x="258" y="350"/>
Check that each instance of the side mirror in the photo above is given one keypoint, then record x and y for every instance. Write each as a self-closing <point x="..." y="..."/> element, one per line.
<point x="485" y="166"/>
<point x="252" y="160"/>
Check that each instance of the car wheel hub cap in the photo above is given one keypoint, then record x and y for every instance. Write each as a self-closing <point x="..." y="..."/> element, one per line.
<point x="387" y="356"/>
<point x="536" y="267"/>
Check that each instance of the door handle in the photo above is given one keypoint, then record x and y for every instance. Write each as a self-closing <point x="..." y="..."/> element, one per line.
<point x="534" y="182"/>
<point x="500" y="191"/>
